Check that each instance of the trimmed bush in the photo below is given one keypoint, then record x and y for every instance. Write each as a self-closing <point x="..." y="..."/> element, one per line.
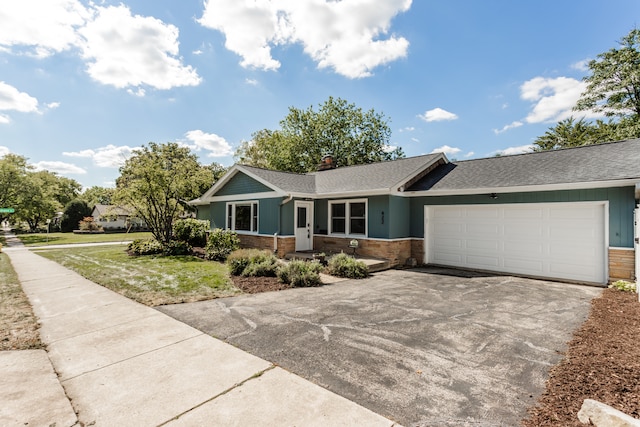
<point x="298" y="273"/>
<point x="145" y="247"/>
<point x="220" y="244"/>
<point x="191" y="230"/>
<point x="252" y="262"/>
<point x="177" y="247"/>
<point x="343" y="265"/>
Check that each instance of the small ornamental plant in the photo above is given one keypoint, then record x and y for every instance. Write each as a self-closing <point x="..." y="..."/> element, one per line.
<point x="88" y="223"/>
<point x="343" y="265"/>
<point x="623" y="285"/>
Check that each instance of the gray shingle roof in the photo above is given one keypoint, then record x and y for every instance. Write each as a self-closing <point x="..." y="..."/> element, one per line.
<point x="374" y="176"/>
<point x="286" y="181"/>
<point x="591" y="163"/>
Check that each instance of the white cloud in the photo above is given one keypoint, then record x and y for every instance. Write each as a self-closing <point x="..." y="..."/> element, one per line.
<point x="4" y="151"/>
<point x="346" y="36"/>
<point x="252" y="82"/>
<point x="45" y="27"/>
<point x="437" y="115"/>
<point x="216" y="145"/>
<point x="52" y="105"/>
<point x="514" y="150"/>
<point x="581" y="65"/>
<point x="4" y="119"/>
<point x="408" y="129"/>
<point x="125" y="50"/>
<point x="415" y="139"/>
<point x="197" y="52"/>
<point x="140" y="92"/>
<point x="505" y="128"/>
<point x="452" y="151"/>
<point x="105" y="157"/>
<point x="60" y="167"/>
<point x="469" y="154"/>
<point x="12" y="99"/>
<point x="553" y="98"/>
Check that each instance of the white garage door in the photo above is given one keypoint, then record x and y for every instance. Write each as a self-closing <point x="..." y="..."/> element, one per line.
<point x="554" y="240"/>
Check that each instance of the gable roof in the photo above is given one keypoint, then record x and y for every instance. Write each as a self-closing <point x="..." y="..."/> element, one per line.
<point x="110" y="210"/>
<point x="570" y="167"/>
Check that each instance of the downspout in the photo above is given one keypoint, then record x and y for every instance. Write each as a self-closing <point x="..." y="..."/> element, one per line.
<point x="275" y="235"/>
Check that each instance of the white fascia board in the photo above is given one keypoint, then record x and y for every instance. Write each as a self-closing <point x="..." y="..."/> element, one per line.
<point x="525" y="188"/>
<point x="246" y="196"/>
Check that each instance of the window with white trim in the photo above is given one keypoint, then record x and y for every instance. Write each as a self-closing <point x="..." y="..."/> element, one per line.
<point x="348" y="217"/>
<point x="242" y="216"/>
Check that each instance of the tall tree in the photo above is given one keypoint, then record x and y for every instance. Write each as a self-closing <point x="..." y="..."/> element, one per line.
<point x="613" y="87"/>
<point x="13" y="173"/>
<point x="567" y="133"/>
<point x="157" y="181"/>
<point x="350" y="134"/>
<point x="38" y="199"/>
<point x="97" y="195"/>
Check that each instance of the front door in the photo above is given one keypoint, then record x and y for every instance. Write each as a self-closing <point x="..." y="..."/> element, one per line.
<point x="303" y="224"/>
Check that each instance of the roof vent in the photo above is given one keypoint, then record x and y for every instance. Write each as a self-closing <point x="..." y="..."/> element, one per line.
<point x="327" y="163"/>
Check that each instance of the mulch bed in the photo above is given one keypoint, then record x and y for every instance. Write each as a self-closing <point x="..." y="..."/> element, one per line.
<point x="254" y="285"/>
<point x="602" y="362"/>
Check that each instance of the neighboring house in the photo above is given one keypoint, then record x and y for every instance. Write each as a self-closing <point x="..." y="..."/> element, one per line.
<point x="112" y="217"/>
<point x="564" y="214"/>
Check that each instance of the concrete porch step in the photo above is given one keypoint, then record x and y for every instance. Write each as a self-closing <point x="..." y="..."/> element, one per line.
<point x="374" y="264"/>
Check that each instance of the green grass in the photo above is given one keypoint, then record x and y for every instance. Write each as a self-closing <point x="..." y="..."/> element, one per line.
<point x="41" y="239"/>
<point x="18" y="325"/>
<point x="150" y="280"/>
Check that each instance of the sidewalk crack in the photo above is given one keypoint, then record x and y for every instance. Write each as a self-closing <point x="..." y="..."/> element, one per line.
<point x="235" y="386"/>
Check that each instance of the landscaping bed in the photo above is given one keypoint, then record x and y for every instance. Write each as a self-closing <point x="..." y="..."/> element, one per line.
<point x="602" y="362"/>
<point x="255" y="285"/>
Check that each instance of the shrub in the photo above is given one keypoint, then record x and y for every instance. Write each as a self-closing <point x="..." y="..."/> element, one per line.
<point x="298" y="273"/>
<point x="89" y="224"/>
<point x="145" y="247"/>
<point x="343" y="265"/>
<point x="252" y="262"/>
<point x="221" y="243"/>
<point x="623" y="285"/>
<point x="177" y="247"/>
<point x="74" y="212"/>
<point x="191" y="230"/>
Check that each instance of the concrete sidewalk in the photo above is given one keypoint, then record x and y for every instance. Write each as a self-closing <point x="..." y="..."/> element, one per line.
<point x="122" y="363"/>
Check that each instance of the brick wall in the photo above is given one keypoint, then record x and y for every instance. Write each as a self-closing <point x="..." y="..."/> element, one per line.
<point x="395" y="251"/>
<point x="285" y="244"/>
<point x="621" y="264"/>
<point x="417" y="250"/>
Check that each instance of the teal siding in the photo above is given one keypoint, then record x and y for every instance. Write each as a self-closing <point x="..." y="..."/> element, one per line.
<point x="399" y="217"/>
<point x="377" y="205"/>
<point x="269" y="215"/>
<point x="218" y="215"/>
<point x="320" y="216"/>
<point x="204" y="213"/>
<point x="286" y="220"/>
<point x="621" y="206"/>
<point x="242" y="184"/>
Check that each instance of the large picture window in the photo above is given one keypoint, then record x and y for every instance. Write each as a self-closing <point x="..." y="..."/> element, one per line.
<point x="348" y="217"/>
<point x="242" y="216"/>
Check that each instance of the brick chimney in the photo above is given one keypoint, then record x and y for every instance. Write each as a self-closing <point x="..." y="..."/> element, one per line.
<point x="326" y="163"/>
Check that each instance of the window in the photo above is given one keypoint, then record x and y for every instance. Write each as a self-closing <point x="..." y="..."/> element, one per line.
<point x="242" y="216"/>
<point x="348" y="217"/>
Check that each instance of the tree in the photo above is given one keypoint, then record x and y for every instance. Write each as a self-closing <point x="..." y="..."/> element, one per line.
<point x="157" y="181"/>
<point x="352" y="136"/>
<point x="74" y="212"/>
<point x="614" y="84"/>
<point x="13" y="173"/>
<point x="567" y="133"/>
<point x="97" y="195"/>
<point x="37" y="200"/>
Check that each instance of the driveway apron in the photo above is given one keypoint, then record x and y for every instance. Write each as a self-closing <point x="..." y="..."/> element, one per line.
<point x="424" y="348"/>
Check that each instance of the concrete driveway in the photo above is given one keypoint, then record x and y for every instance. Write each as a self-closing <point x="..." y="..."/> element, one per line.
<point x="429" y="347"/>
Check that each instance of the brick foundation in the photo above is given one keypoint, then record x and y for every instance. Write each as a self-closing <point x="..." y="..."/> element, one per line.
<point x="417" y="250"/>
<point x="622" y="264"/>
<point x="394" y="251"/>
<point x="285" y="244"/>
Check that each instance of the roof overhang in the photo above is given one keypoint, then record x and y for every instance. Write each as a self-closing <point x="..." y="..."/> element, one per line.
<point x="630" y="182"/>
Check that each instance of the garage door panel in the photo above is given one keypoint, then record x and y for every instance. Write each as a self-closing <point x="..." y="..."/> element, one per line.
<point x="555" y="240"/>
<point x="524" y="265"/>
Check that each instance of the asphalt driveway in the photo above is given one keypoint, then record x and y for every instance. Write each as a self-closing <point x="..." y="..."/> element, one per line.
<point x="421" y="347"/>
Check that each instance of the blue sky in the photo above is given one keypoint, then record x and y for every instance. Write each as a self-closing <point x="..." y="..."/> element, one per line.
<point x="83" y="84"/>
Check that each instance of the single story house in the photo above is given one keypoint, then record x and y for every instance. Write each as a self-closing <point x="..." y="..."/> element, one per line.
<point x="111" y="217"/>
<point x="564" y="214"/>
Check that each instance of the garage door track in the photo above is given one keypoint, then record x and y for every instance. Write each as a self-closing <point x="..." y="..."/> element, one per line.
<point x="422" y="347"/>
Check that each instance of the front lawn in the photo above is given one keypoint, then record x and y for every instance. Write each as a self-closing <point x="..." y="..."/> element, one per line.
<point x="150" y="280"/>
<point x="18" y="325"/>
<point x="41" y="239"/>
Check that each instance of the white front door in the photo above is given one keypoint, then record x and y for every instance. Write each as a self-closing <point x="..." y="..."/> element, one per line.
<point x="303" y="225"/>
